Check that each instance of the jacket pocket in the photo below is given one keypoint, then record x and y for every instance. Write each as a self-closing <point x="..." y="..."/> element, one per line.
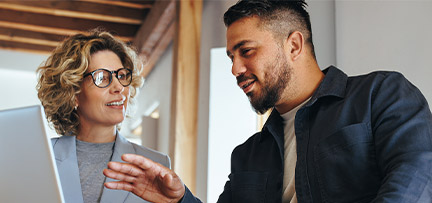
<point x="346" y="167"/>
<point x="248" y="186"/>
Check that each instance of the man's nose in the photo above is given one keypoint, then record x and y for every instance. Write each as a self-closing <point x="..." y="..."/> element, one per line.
<point x="238" y="67"/>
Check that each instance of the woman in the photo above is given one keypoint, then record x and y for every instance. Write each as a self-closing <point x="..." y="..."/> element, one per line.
<point x="86" y="87"/>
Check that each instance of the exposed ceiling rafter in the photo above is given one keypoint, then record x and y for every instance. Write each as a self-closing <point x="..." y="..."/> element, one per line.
<point x="39" y="26"/>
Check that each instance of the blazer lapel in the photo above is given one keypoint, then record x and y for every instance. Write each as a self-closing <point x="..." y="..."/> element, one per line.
<point x="67" y="166"/>
<point x="121" y="146"/>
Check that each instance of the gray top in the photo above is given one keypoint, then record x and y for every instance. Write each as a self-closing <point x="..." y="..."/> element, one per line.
<point x="92" y="159"/>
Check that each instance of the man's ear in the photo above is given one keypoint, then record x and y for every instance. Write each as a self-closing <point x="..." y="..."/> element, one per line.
<point x="294" y="45"/>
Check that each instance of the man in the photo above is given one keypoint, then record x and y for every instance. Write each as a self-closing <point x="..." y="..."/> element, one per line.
<point x="329" y="138"/>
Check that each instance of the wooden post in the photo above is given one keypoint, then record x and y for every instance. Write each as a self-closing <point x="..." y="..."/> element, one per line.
<point x="184" y="98"/>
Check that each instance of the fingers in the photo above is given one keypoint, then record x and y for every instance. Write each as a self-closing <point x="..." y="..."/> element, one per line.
<point x="120" y="185"/>
<point x="118" y="175"/>
<point x="125" y="168"/>
<point x="138" y="160"/>
<point x="144" y="178"/>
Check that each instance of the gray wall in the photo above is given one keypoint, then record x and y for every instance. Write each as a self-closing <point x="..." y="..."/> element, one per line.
<point x="156" y="91"/>
<point x="386" y="35"/>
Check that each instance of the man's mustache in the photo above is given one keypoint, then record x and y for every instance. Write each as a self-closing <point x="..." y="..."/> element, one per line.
<point x="244" y="77"/>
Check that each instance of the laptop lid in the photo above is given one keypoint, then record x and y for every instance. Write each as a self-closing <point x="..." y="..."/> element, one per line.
<point x="28" y="171"/>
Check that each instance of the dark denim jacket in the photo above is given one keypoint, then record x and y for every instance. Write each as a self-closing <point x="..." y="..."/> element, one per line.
<point x="359" y="139"/>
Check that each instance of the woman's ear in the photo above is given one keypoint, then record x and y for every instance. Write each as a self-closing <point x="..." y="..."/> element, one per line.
<point x="294" y="45"/>
<point x="76" y="102"/>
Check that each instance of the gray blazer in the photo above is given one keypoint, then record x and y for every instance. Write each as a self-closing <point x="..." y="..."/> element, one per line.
<point x="67" y="165"/>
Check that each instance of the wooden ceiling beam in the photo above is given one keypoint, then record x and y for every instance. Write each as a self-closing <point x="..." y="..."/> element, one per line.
<point x="50" y="30"/>
<point x="78" y="9"/>
<point x="59" y="22"/>
<point x="28" y="40"/>
<point x="33" y="34"/>
<point x="24" y="47"/>
<point x="153" y="36"/>
<point x="129" y="4"/>
<point x="160" y="48"/>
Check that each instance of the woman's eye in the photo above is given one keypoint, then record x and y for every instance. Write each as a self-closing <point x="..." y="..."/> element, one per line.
<point x="122" y="76"/>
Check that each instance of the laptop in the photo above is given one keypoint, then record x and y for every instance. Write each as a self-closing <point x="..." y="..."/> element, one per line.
<point x="28" y="171"/>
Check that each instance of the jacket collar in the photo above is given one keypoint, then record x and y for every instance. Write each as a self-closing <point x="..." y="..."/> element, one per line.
<point x="67" y="167"/>
<point x="67" y="164"/>
<point x="274" y="126"/>
<point x="121" y="146"/>
<point x="333" y="84"/>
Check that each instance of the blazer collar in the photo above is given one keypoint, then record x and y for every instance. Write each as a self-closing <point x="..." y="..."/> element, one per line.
<point x="67" y="167"/>
<point x="121" y="146"/>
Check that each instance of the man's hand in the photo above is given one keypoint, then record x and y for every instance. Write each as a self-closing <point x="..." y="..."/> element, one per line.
<point x="145" y="178"/>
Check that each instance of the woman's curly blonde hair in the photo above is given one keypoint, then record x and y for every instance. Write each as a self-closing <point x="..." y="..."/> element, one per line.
<point x="60" y="76"/>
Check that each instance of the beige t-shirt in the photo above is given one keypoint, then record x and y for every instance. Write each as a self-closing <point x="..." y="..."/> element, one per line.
<point x="290" y="155"/>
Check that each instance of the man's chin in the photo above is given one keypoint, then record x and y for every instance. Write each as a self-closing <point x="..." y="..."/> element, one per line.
<point x="259" y="108"/>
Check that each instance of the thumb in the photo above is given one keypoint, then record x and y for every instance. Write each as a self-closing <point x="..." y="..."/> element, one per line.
<point x="166" y="179"/>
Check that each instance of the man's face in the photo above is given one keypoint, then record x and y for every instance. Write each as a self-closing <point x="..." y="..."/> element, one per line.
<point x="259" y="63"/>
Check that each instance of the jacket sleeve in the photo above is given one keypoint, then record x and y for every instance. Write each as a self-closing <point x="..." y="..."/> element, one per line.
<point x="401" y="126"/>
<point x="189" y="197"/>
<point x="225" y="197"/>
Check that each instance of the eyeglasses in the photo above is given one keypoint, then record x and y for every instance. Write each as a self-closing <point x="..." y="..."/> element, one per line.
<point x="102" y="77"/>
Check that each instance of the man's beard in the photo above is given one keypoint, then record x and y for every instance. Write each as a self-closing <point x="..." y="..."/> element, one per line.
<point x="276" y="78"/>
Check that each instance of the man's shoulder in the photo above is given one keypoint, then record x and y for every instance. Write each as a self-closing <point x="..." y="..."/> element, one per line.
<point x="376" y="79"/>
<point x="378" y="76"/>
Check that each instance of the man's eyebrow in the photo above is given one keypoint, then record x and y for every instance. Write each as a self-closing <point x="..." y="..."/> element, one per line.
<point x="237" y="46"/>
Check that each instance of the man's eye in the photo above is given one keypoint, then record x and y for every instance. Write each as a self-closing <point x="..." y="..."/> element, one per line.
<point x="245" y="52"/>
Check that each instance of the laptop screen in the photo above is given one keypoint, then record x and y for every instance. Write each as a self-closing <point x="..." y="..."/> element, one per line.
<point x="28" y="170"/>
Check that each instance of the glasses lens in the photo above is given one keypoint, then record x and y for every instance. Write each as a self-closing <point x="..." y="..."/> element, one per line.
<point x="102" y="78"/>
<point x="124" y="76"/>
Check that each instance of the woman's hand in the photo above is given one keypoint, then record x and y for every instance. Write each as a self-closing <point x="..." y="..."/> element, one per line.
<point x="147" y="179"/>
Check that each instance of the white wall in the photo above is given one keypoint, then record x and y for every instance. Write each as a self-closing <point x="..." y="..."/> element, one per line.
<point x="20" y="61"/>
<point x="157" y="92"/>
<point x="18" y="88"/>
<point x="212" y="36"/>
<point x="18" y="80"/>
<point x="386" y="35"/>
<point x="231" y="121"/>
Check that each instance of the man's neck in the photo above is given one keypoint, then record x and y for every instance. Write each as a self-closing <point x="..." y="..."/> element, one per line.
<point x="307" y="80"/>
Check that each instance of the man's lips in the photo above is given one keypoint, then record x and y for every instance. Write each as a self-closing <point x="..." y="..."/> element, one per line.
<point x="246" y="83"/>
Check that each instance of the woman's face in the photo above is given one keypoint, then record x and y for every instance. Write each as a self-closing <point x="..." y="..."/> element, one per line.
<point x="102" y="106"/>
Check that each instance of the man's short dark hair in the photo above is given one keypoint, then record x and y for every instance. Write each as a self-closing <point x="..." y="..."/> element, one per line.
<point x="281" y="17"/>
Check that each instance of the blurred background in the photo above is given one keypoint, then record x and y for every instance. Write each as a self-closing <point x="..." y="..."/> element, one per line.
<point x="183" y="42"/>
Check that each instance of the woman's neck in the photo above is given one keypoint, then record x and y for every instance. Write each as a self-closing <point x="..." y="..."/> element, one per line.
<point x="96" y="134"/>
